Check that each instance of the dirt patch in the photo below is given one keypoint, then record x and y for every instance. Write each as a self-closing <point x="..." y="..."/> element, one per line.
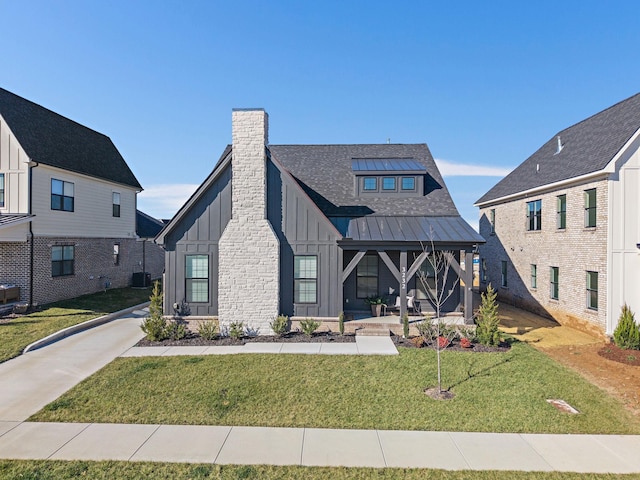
<point x="590" y="356"/>
<point x="438" y="394"/>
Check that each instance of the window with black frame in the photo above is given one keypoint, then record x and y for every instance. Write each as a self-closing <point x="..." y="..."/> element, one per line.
<point x="367" y="277"/>
<point x="197" y="278"/>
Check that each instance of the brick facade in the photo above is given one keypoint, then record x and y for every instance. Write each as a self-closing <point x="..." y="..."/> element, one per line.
<point x="249" y="252"/>
<point x="94" y="266"/>
<point x="574" y="250"/>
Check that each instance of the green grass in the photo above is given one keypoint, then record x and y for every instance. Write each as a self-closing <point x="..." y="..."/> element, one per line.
<point x="494" y="392"/>
<point x="59" y="470"/>
<point x="20" y="332"/>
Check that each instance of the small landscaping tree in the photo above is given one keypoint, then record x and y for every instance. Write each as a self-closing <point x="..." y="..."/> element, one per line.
<point x="627" y="333"/>
<point x="155" y="325"/>
<point x="438" y="291"/>
<point x="341" y="323"/>
<point x="488" y="321"/>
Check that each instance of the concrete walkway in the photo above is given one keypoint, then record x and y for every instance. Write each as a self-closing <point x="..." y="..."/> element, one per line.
<point x="320" y="447"/>
<point x="31" y="381"/>
<point x="364" y="345"/>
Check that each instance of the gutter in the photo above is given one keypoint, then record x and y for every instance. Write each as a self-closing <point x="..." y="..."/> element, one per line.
<point x="31" y="249"/>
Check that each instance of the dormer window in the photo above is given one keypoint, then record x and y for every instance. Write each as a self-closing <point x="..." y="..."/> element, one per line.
<point x="370" y="184"/>
<point x="408" y="183"/>
<point x="389" y="183"/>
<point x="388" y="176"/>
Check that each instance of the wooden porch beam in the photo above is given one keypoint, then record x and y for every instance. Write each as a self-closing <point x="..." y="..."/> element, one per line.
<point x="392" y="268"/>
<point x="352" y="265"/>
<point x="416" y="265"/>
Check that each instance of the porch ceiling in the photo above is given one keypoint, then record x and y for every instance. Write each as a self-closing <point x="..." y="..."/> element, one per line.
<point x="440" y="230"/>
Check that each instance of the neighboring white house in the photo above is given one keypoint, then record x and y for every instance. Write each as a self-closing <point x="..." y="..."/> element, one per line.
<point x="67" y="206"/>
<point x="563" y="229"/>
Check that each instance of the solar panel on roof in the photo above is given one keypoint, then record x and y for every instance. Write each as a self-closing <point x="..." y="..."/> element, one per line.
<point x="386" y="165"/>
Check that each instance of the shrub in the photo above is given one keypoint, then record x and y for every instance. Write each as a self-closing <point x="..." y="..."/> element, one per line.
<point x="176" y="329"/>
<point x="488" y="320"/>
<point x="468" y="332"/>
<point x="280" y="325"/>
<point x="155" y="325"/>
<point x="427" y="330"/>
<point x="208" y="329"/>
<point x="418" y="342"/>
<point x="405" y="325"/>
<point x="627" y="333"/>
<point x="236" y="330"/>
<point x="341" y="323"/>
<point x="443" y="342"/>
<point x="308" y="326"/>
<point x="465" y="342"/>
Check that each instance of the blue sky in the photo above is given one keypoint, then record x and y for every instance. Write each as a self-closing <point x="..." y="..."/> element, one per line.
<point x="484" y="84"/>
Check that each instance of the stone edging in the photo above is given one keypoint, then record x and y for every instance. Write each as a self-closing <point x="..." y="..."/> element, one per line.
<point x="81" y="327"/>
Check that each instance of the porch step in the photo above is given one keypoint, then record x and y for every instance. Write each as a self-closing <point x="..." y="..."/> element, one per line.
<point x="373" y="332"/>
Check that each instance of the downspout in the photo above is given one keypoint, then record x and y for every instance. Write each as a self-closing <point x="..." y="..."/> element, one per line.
<point x="31" y="249"/>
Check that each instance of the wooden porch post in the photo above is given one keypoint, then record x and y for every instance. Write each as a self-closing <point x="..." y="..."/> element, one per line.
<point x="468" y="287"/>
<point x="403" y="283"/>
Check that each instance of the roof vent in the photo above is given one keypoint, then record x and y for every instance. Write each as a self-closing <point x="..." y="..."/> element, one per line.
<point x="560" y="145"/>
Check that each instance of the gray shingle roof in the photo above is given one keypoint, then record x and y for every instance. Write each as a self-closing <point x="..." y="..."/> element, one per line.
<point x="325" y="174"/>
<point x="147" y="226"/>
<point x="54" y="140"/>
<point x="588" y="146"/>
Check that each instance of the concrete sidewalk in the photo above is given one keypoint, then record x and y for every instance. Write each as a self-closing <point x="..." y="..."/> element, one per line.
<point x="32" y="380"/>
<point x="364" y="345"/>
<point x="320" y="447"/>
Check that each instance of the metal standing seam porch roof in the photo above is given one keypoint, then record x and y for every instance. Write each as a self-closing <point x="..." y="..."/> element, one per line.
<point x="10" y="220"/>
<point x="440" y="230"/>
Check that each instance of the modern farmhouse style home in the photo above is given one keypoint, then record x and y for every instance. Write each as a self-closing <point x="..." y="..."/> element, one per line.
<point x="563" y="229"/>
<point x="311" y="231"/>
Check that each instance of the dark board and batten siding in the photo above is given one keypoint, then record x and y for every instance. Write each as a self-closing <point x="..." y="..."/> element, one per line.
<point x="198" y="233"/>
<point x="303" y="230"/>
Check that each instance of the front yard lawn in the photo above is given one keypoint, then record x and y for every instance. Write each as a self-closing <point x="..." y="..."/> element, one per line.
<point x="58" y="470"/>
<point x="17" y="333"/>
<point x="494" y="392"/>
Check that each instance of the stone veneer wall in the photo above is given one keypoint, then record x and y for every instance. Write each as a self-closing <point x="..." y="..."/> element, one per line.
<point x="574" y="250"/>
<point x="249" y="263"/>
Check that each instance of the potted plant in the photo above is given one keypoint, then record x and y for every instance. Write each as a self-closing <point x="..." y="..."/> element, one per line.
<point x="376" y="302"/>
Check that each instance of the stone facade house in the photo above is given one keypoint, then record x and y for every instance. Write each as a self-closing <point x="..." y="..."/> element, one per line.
<point x="309" y="230"/>
<point x="563" y="229"/>
<point x="67" y="206"/>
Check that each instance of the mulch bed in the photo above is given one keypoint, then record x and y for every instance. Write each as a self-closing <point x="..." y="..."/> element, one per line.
<point x="194" y="340"/>
<point x="620" y="355"/>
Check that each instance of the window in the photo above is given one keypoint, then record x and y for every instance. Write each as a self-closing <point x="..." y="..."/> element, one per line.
<point x="590" y="208"/>
<point x="370" y="184"/>
<point x="534" y="215"/>
<point x="427" y="274"/>
<point x="305" y="279"/>
<point x="534" y="276"/>
<point x="61" y="195"/>
<point x="592" y="290"/>
<point x="367" y="277"/>
<point x="116" y="204"/>
<point x="561" y="217"/>
<point x="197" y="278"/>
<point x="503" y="276"/>
<point x="408" y="183"/>
<point x="388" y="183"/>
<point x="116" y="253"/>
<point x="483" y="270"/>
<point x="62" y="259"/>
<point x="555" y="283"/>
<point x="1" y="190"/>
<point x="492" y="220"/>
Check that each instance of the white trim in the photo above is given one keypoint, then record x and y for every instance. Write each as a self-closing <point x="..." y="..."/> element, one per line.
<point x="611" y="166"/>
<point x="549" y="186"/>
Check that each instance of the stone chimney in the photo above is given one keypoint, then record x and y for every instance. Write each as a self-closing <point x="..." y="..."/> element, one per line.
<point x="249" y="251"/>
